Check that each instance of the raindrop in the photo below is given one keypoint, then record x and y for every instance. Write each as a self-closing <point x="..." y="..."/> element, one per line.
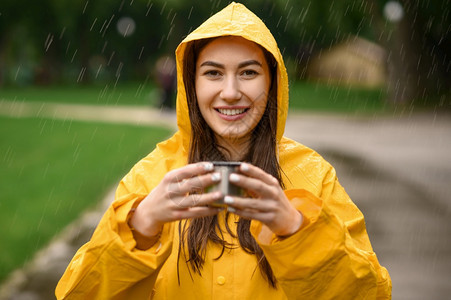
<point x="139" y="90"/>
<point x="93" y="23"/>
<point x="108" y="25"/>
<point x="48" y="42"/>
<point x="161" y="41"/>
<point x="319" y="31"/>
<point x="331" y="7"/>
<point x="98" y="70"/>
<point x="306" y="11"/>
<point x="40" y="110"/>
<point x="62" y="33"/>
<point x="8" y="157"/>
<point x="43" y="126"/>
<point x="103" y="25"/>
<point x="17" y="73"/>
<point x="104" y="46"/>
<point x="172" y="21"/>
<point x="170" y="31"/>
<point x="346" y="11"/>
<point x="73" y="56"/>
<point x="286" y="5"/>
<point x="44" y="175"/>
<point x="190" y="11"/>
<point x="85" y="7"/>
<point x="13" y="221"/>
<point x="278" y="23"/>
<point x="140" y="53"/>
<point x="81" y="74"/>
<point x="119" y="69"/>
<point x="150" y="6"/>
<point x="94" y="133"/>
<point x="390" y="32"/>
<point x="162" y="9"/>
<point x="103" y="91"/>
<point x="289" y="13"/>
<point x="111" y="57"/>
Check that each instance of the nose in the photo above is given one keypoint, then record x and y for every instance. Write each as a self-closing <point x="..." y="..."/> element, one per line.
<point x="230" y="89"/>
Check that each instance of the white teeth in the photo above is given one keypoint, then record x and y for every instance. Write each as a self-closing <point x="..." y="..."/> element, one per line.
<point x="231" y="112"/>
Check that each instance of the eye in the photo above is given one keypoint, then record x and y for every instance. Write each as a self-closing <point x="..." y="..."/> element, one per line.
<point x="212" y="73"/>
<point x="249" y="73"/>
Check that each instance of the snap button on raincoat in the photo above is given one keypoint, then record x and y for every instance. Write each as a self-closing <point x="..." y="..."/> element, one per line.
<point x="330" y="257"/>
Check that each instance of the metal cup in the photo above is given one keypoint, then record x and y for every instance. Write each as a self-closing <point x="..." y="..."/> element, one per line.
<point x="225" y="168"/>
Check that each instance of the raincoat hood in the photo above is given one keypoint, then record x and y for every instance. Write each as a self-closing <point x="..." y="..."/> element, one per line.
<point x="234" y="20"/>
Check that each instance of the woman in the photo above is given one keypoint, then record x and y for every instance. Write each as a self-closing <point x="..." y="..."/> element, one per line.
<point x="295" y="235"/>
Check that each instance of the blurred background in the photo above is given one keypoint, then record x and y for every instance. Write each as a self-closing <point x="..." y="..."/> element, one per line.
<point x="87" y="89"/>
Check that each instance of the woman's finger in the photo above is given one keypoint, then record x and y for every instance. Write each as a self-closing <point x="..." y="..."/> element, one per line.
<point x="193" y="185"/>
<point x="195" y="200"/>
<point x="250" y="204"/>
<point x="255" y="185"/>
<point x="189" y="171"/>
<point x="255" y="172"/>
<point x="264" y="217"/>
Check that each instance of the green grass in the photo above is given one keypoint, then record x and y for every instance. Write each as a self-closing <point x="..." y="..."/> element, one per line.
<point x="307" y="96"/>
<point x="108" y="94"/>
<point x="53" y="170"/>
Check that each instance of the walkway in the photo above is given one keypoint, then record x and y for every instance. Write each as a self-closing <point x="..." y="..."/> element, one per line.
<point x="396" y="169"/>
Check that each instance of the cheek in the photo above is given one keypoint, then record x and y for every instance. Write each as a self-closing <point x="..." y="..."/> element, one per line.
<point x="203" y="91"/>
<point x="202" y="98"/>
<point x="260" y="98"/>
<point x="260" y="90"/>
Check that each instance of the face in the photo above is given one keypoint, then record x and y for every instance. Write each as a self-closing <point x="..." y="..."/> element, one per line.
<point x="232" y="83"/>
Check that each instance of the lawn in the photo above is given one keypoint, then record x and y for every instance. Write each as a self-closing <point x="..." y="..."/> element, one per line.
<point x="53" y="170"/>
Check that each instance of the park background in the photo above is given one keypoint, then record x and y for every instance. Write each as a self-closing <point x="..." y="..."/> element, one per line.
<point x="347" y="58"/>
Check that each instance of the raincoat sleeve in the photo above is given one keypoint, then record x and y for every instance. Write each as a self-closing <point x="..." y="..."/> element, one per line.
<point x="109" y="266"/>
<point x="330" y="257"/>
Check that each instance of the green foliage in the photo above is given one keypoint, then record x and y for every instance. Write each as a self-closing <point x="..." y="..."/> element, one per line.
<point x="80" y="37"/>
<point x="71" y="41"/>
<point x="51" y="171"/>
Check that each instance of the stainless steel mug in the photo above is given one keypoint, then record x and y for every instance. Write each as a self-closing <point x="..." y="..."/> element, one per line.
<point x="225" y="168"/>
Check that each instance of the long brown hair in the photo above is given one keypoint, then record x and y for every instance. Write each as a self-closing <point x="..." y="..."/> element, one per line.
<point x="203" y="147"/>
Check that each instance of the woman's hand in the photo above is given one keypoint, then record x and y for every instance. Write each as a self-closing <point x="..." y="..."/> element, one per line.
<point x="173" y="199"/>
<point x="269" y="203"/>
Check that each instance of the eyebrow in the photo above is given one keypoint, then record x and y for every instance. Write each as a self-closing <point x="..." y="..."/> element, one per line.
<point x="221" y="66"/>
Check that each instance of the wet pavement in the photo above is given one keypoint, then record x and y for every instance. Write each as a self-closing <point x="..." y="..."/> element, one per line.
<point x="397" y="169"/>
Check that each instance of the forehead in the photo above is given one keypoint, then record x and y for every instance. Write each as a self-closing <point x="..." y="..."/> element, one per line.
<point x="231" y="48"/>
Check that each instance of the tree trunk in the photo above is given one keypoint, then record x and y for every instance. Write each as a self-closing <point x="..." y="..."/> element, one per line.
<point x="412" y="74"/>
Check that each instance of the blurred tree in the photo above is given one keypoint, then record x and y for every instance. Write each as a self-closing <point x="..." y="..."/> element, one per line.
<point x="20" y="39"/>
<point x="73" y="32"/>
<point x="418" y="45"/>
<point x="78" y="41"/>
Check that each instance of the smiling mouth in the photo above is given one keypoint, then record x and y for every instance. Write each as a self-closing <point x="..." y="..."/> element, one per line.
<point x="231" y="112"/>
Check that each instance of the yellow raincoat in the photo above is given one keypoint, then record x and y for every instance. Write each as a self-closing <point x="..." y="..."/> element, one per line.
<point x="329" y="258"/>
